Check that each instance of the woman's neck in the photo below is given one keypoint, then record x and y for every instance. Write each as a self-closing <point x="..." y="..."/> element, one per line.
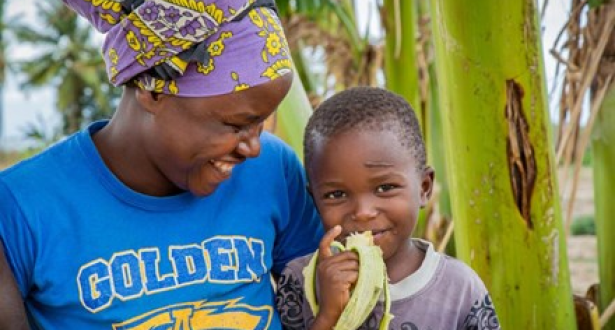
<point x="123" y="152"/>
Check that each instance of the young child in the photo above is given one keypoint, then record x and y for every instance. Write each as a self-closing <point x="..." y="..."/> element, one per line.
<point x="365" y="161"/>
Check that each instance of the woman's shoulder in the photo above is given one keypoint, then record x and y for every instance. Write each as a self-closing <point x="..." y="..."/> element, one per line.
<point x="273" y="143"/>
<point x="40" y="166"/>
<point x="276" y="152"/>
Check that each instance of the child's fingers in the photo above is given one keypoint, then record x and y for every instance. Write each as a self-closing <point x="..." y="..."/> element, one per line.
<point x="346" y="260"/>
<point x="349" y="277"/>
<point x="324" y="249"/>
<point x="345" y="278"/>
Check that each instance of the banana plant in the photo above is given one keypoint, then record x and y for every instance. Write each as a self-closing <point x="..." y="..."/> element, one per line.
<point x="603" y="144"/>
<point x="289" y="120"/>
<point x="500" y="159"/>
<point x="332" y="19"/>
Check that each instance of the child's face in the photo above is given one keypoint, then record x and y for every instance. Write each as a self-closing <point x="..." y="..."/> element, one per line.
<point x="369" y="181"/>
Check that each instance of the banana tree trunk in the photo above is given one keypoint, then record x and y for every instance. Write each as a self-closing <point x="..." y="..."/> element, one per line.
<point x="603" y="145"/>
<point x="289" y="120"/>
<point x="400" y="69"/>
<point x="500" y="158"/>
<point x="437" y="159"/>
<point x="430" y="107"/>
<point x="400" y="65"/>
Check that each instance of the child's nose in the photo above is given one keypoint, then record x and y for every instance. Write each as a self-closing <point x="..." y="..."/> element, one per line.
<point x="365" y="210"/>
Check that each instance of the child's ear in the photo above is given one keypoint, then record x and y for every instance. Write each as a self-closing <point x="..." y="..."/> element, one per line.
<point x="427" y="182"/>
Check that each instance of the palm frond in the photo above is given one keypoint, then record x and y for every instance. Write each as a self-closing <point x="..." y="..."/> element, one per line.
<point x="27" y="34"/>
<point x="40" y="71"/>
<point x="70" y="61"/>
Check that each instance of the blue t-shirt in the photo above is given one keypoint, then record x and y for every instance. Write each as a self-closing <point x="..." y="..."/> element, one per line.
<point x="90" y="253"/>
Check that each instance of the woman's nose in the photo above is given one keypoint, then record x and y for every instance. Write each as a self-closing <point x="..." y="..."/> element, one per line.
<point x="249" y="143"/>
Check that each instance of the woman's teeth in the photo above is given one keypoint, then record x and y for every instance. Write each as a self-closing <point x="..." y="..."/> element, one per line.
<point x="223" y="167"/>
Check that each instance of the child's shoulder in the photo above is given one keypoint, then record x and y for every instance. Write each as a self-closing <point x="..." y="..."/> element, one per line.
<point x="297" y="265"/>
<point x="458" y="271"/>
<point x="450" y="271"/>
<point x="472" y="297"/>
<point x="460" y="291"/>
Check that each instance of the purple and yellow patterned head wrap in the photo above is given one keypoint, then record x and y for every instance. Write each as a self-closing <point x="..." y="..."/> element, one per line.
<point x="189" y="48"/>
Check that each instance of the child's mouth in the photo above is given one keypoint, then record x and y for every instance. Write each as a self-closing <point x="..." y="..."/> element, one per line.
<point x="377" y="234"/>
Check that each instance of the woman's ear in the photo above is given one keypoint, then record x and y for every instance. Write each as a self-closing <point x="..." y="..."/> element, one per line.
<point x="427" y="182"/>
<point x="150" y="101"/>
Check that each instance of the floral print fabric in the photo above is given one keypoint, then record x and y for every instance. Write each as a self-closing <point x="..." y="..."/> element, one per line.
<point x="235" y="54"/>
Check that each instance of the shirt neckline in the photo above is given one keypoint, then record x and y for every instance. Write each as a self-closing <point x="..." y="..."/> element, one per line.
<point x="118" y="188"/>
<point x="418" y="280"/>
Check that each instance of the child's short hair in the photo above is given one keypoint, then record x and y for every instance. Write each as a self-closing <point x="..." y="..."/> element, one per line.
<point x="368" y="108"/>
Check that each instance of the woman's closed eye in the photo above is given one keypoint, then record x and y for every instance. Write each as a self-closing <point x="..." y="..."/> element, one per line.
<point x="235" y="127"/>
<point x="244" y="127"/>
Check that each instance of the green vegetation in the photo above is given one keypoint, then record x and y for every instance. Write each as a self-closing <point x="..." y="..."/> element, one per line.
<point x="500" y="160"/>
<point x="603" y="144"/>
<point x="583" y="225"/>
<point x="70" y="61"/>
<point x="588" y="157"/>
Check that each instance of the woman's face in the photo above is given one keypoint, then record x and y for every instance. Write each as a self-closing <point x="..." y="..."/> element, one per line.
<point x="196" y="142"/>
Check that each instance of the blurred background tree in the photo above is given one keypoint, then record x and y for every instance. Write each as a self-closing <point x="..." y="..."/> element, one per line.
<point x="70" y="62"/>
<point x="586" y="51"/>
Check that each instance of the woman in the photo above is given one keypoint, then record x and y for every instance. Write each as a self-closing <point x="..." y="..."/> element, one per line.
<point x="174" y="213"/>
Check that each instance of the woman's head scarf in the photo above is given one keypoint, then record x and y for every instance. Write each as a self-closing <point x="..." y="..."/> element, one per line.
<point x="189" y="48"/>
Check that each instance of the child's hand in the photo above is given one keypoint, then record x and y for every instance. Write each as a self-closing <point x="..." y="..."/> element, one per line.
<point x="336" y="274"/>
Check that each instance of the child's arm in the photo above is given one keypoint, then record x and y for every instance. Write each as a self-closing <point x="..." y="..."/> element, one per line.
<point x="481" y="313"/>
<point x="336" y="274"/>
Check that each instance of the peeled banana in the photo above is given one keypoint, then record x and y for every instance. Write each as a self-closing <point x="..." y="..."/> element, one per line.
<point x="372" y="282"/>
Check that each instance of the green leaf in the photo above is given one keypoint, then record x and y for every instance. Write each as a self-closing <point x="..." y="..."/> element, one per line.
<point x="69" y="61"/>
<point x="292" y="116"/>
<point x="595" y="3"/>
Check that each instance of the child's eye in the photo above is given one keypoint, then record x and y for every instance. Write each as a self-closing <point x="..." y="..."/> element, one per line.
<point x="385" y="187"/>
<point x="334" y="194"/>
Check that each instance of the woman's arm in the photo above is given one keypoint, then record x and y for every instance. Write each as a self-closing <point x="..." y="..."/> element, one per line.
<point x="12" y="310"/>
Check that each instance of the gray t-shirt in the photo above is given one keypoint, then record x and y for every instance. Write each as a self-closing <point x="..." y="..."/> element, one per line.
<point x="444" y="293"/>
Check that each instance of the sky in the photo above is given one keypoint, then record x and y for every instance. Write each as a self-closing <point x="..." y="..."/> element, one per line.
<point x="35" y="107"/>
